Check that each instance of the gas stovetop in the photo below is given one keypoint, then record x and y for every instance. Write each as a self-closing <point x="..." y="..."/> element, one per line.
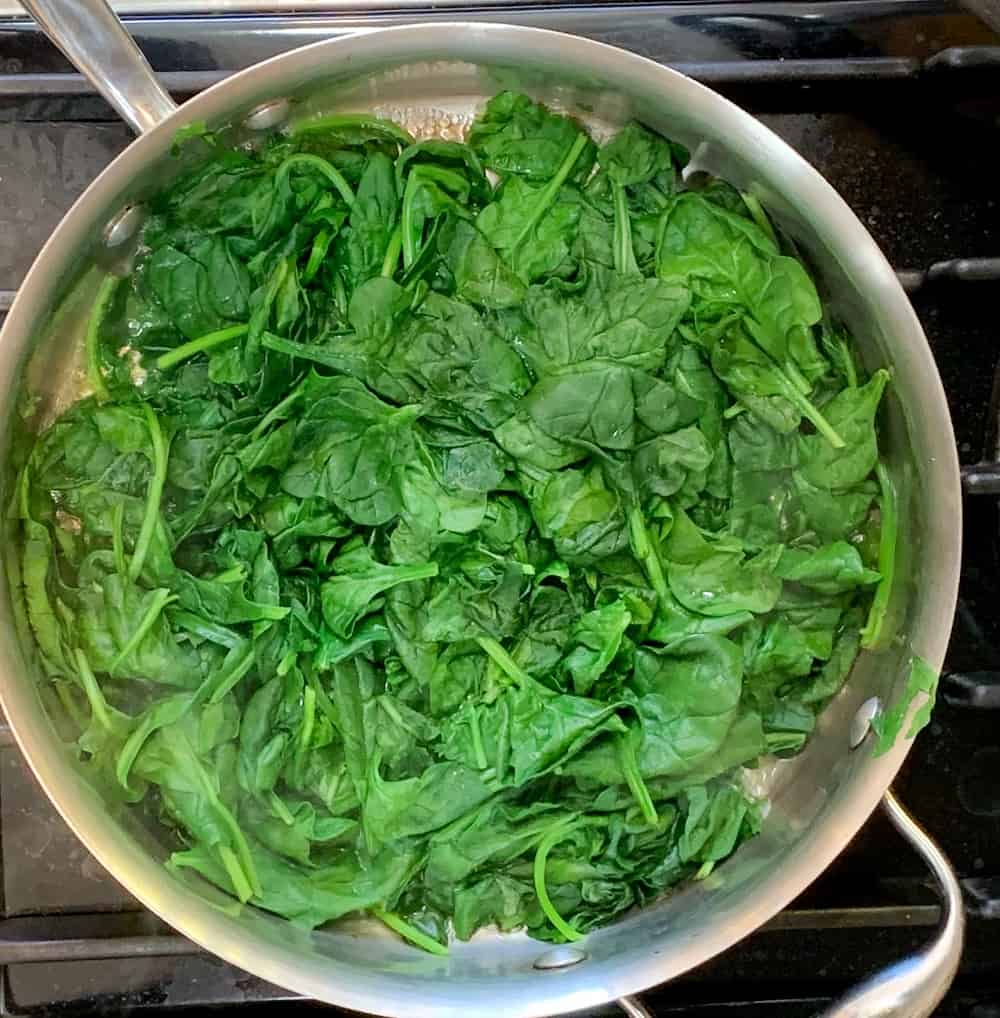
<point x="897" y="102"/>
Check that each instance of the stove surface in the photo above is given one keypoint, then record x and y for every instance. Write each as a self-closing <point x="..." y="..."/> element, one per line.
<point x="897" y="103"/>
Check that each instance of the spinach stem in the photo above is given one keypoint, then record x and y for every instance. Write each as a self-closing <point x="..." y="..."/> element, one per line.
<point x="206" y="630"/>
<point x="153" y="495"/>
<point x="241" y="885"/>
<point x="105" y="295"/>
<point x="504" y="740"/>
<point x="199" y="345"/>
<point x="445" y="182"/>
<point x="477" y="740"/>
<point x="309" y="352"/>
<point x="340" y="294"/>
<point x="642" y="548"/>
<point x="227" y="679"/>
<point x="160" y="599"/>
<point x="812" y="413"/>
<point x="871" y="632"/>
<point x="276" y="411"/>
<point x="392" y="252"/>
<point x="408" y="240"/>
<point x="550" y="191"/>
<point x="759" y="216"/>
<point x="328" y="170"/>
<point x="118" y="538"/>
<point x="261" y="317"/>
<point x="227" y="818"/>
<point x="98" y="705"/>
<point x="409" y="932"/>
<point x="320" y="246"/>
<point x="183" y="703"/>
<point x="155" y="717"/>
<point x="546" y="845"/>
<point x="847" y="365"/>
<point x="308" y="717"/>
<point x="507" y="664"/>
<point x="36" y="562"/>
<point x="326" y="705"/>
<point x="280" y="810"/>
<point x="625" y="262"/>
<point x="796" y="391"/>
<point x="785" y="366"/>
<point x="798" y="379"/>
<point x="234" y="574"/>
<point x="630" y="767"/>
<point x="386" y="704"/>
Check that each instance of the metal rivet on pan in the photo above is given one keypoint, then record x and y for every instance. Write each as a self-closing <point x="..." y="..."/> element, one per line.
<point x="123" y="227"/>
<point x="560" y="957"/>
<point x="862" y="721"/>
<point x="268" y="115"/>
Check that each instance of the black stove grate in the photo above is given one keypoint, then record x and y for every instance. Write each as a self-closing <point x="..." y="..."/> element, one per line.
<point x="896" y="102"/>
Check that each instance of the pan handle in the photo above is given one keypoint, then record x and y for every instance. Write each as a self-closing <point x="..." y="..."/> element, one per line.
<point x="916" y="985"/>
<point x="90" y="34"/>
<point x="913" y="987"/>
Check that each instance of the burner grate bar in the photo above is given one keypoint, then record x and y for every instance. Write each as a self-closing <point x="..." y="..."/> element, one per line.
<point x="981" y="479"/>
<point x="42" y="85"/>
<point x="965" y="58"/>
<point x="982" y="897"/>
<point x="980" y="690"/>
<point x="48" y="84"/>
<point x="874" y="916"/>
<point x="27" y="951"/>
<point x="716" y="72"/>
<point x="959" y="270"/>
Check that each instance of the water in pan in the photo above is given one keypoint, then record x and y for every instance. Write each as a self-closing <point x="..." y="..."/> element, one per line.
<point x="425" y="122"/>
<point x="452" y="120"/>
